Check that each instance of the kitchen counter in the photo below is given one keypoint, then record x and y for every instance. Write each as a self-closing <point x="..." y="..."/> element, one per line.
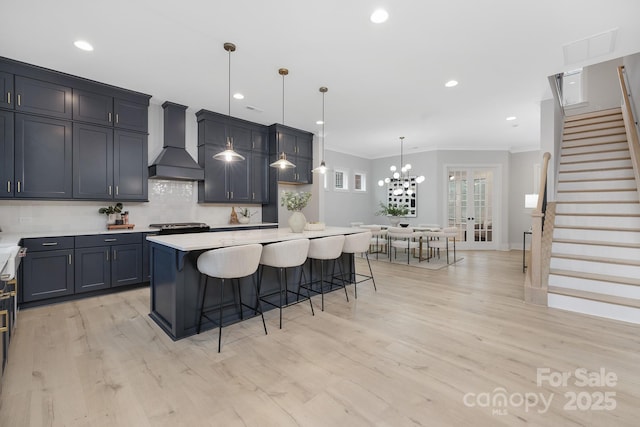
<point x="203" y="241"/>
<point x="175" y="277"/>
<point x="12" y="239"/>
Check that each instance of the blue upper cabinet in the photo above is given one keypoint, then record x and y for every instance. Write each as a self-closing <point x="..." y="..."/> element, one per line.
<point x="6" y="154"/>
<point x="92" y="107"/>
<point x="43" y="157"/>
<point x="109" y="111"/>
<point x="7" y="97"/>
<point x="41" y="97"/>
<point x="131" y="115"/>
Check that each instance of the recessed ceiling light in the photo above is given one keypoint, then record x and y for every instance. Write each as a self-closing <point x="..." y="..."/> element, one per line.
<point x="238" y="96"/>
<point x="379" y="16"/>
<point x="319" y="122"/>
<point x="84" y="45"/>
<point x="451" y="83"/>
<point x="510" y="118"/>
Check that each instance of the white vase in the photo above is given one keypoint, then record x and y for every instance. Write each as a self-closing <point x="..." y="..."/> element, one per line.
<point x="111" y="219"/>
<point x="243" y="219"/>
<point x="297" y="221"/>
<point x="395" y="220"/>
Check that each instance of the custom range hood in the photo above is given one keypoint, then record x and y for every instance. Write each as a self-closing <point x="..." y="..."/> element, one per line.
<point x="174" y="162"/>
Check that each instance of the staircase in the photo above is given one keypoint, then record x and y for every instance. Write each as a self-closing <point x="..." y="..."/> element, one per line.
<point x="595" y="252"/>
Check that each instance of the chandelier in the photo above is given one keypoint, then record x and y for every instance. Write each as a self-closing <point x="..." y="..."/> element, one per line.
<point x="401" y="181"/>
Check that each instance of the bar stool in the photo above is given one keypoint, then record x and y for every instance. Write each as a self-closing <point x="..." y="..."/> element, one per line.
<point x="283" y="255"/>
<point x="378" y="239"/>
<point x="232" y="262"/>
<point x="325" y="249"/>
<point x="359" y="243"/>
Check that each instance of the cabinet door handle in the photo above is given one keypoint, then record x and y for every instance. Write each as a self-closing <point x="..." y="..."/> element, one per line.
<point x="117" y="190"/>
<point x="8" y="186"/>
<point x="5" y="313"/>
<point x="232" y="194"/>
<point x="253" y="196"/>
<point x="69" y="259"/>
<point x="50" y="244"/>
<point x="117" y="118"/>
<point x="107" y="255"/>
<point x="9" y="98"/>
<point x="110" y="240"/>
<point x="109" y="190"/>
<point x="19" y="99"/>
<point x="109" y="117"/>
<point x="115" y="255"/>
<point x="18" y="186"/>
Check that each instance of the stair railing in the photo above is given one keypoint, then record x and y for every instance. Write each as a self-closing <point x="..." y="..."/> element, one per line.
<point x="630" y="124"/>
<point x="556" y="82"/>
<point x="535" y="291"/>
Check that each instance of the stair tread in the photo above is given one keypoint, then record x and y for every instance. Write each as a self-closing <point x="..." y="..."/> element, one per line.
<point x="576" y="143"/>
<point x="597" y="169"/>
<point x="608" y="159"/>
<point x="595" y="276"/>
<point x="593" y="296"/>
<point x="622" y="178"/>
<point x="598" y="202"/>
<point x="590" y="228"/>
<point x="598" y="243"/>
<point x="596" y="190"/>
<point x="600" y="259"/>
<point x="584" y="153"/>
<point x="604" y="214"/>
<point x="601" y="113"/>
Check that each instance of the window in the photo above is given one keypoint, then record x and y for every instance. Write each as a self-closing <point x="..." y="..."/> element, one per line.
<point x="359" y="181"/>
<point x="340" y="180"/>
<point x="573" y="87"/>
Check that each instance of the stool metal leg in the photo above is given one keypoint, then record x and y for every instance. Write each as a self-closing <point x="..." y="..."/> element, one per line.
<point x="371" y="273"/>
<point x="204" y="294"/>
<point x="258" y="303"/>
<point x="220" y="319"/>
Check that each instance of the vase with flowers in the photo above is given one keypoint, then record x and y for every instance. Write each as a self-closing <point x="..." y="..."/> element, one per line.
<point x="394" y="211"/>
<point x="295" y="202"/>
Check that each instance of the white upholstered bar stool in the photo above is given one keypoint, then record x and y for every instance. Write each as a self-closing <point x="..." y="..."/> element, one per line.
<point x="283" y="255"/>
<point x="403" y="238"/>
<point x="378" y="239"/>
<point x="355" y="244"/>
<point x="233" y="262"/>
<point x="325" y="249"/>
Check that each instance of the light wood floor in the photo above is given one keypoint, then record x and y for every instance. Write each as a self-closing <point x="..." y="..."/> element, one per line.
<point x="404" y="356"/>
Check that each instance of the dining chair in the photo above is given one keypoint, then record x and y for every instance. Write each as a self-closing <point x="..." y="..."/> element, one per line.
<point x="403" y="238"/>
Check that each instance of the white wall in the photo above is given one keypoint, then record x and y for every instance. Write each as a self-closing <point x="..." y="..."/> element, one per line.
<point x="632" y="69"/>
<point x="602" y="88"/>
<point x="521" y="179"/>
<point x="169" y="201"/>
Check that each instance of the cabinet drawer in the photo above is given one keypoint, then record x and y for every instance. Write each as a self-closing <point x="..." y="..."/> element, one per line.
<point x="108" y="239"/>
<point x="48" y="244"/>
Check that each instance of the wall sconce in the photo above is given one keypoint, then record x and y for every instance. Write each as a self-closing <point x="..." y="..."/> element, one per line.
<point x="530" y="201"/>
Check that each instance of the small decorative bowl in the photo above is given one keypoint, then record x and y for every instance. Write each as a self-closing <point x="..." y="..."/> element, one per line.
<point x="314" y="226"/>
<point x="404" y="224"/>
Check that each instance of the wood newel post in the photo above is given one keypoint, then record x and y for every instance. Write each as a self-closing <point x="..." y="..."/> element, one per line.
<point x="535" y="292"/>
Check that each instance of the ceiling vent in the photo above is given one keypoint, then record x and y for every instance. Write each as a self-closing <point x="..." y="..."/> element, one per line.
<point x="590" y="47"/>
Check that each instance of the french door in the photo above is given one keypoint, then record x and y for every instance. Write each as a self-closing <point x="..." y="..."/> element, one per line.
<point x="471" y="200"/>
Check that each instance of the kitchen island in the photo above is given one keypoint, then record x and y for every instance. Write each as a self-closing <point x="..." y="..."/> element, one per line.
<point x="175" y="278"/>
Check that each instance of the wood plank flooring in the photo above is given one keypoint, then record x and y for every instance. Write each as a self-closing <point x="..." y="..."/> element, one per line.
<point x="410" y="354"/>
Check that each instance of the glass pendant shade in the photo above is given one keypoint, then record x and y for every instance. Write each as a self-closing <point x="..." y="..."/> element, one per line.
<point x="228" y="155"/>
<point x="282" y="162"/>
<point x="321" y="169"/>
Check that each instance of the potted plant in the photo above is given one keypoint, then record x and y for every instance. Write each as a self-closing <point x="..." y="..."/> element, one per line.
<point x="394" y="211"/>
<point x="295" y="202"/>
<point x="244" y="214"/>
<point x="112" y="212"/>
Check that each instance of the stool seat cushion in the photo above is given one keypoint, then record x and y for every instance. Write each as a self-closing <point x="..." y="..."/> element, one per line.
<point x="357" y="243"/>
<point x="231" y="262"/>
<point x="326" y="247"/>
<point x="290" y="253"/>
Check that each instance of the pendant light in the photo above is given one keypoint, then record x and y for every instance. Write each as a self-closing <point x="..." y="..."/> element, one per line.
<point x="401" y="180"/>
<point x="323" y="167"/>
<point x="229" y="155"/>
<point x="282" y="162"/>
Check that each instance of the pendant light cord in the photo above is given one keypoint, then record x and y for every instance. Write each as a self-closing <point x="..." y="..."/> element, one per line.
<point x="283" y="99"/>
<point x="229" y="95"/>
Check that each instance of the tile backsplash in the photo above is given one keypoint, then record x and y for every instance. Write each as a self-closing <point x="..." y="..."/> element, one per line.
<point x="169" y="201"/>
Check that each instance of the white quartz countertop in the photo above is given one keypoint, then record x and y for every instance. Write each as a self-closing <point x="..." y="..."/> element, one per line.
<point x="12" y="239"/>
<point x="203" y="241"/>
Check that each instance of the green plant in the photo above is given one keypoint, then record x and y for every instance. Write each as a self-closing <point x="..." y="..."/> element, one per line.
<point x="295" y="201"/>
<point x="393" y="209"/>
<point x="246" y="212"/>
<point x="111" y="209"/>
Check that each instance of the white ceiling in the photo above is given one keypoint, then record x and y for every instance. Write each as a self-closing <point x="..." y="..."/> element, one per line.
<point x="384" y="80"/>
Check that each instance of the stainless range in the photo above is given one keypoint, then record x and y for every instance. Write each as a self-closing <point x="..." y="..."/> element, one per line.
<point x="181" y="227"/>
